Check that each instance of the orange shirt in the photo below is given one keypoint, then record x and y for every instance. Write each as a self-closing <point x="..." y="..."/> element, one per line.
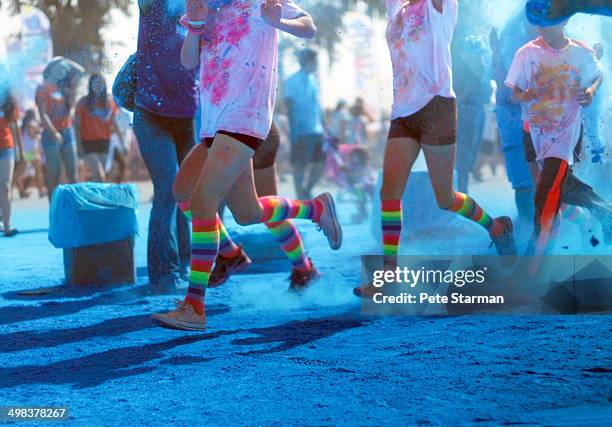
<point x="49" y="95"/>
<point x="6" y="136"/>
<point x="97" y="124"/>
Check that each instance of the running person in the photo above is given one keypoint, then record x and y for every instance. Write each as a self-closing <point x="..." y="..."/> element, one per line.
<point x="553" y="77"/>
<point x="236" y="45"/>
<point x="232" y="258"/>
<point x="424" y="116"/>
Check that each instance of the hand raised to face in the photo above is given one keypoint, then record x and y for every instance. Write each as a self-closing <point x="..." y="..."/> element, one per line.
<point x="196" y="10"/>
<point x="272" y="12"/>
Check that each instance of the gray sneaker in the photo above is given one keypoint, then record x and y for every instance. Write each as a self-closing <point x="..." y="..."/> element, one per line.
<point x="329" y="221"/>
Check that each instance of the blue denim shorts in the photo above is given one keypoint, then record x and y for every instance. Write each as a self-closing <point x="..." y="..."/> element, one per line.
<point x="7" y="154"/>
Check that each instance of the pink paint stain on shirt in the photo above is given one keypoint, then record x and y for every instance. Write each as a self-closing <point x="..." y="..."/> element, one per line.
<point x="230" y="26"/>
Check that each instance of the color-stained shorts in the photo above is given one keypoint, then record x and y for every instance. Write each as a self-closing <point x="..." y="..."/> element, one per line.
<point x="530" y="152"/>
<point x="265" y="151"/>
<point x="434" y="124"/>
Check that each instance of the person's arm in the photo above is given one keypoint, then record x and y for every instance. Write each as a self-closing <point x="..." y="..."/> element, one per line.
<point x="439" y="5"/>
<point x="118" y="132"/>
<point x="47" y="123"/>
<point x="300" y="26"/>
<point x="77" y="132"/>
<point x="190" y="52"/>
<point x="196" y="12"/>
<point x="585" y="98"/>
<point x="144" y="5"/>
<point x="519" y="96"/>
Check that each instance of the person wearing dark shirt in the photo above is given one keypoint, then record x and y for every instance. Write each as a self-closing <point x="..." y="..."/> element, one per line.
<point x="166" y="99"/>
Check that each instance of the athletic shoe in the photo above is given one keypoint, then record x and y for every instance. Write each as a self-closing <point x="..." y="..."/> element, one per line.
<point x="11" y="232"/>
<point x="300" y="279"/>
<point x="504" y="243"/>
<point x="225" y="267"/>
<point x="328" y="223"/>
<point x="366" y="291"/>
<point x="183" y="317"/>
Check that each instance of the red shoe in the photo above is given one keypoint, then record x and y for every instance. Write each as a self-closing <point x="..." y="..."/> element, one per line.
<point x="504" y="243"/>
<point x="366" y="291"/>
<point x="225" y="267"/>
<point x="301" y="279"/>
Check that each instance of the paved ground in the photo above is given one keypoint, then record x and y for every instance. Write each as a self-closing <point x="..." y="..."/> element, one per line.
<point x="274" y="357"/>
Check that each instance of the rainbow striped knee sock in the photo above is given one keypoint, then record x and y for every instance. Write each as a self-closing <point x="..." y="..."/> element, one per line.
<point x="291" y="242"/>
<point x="276" y="209"/>
<point x="204" y="249"/>
<point x="467" y="207"/>
<point x="391" y="212"/>
<point x="227" y="247"/>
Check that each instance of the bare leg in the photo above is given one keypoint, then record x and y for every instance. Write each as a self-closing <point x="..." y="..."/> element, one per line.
<point x="440" y="163"/>
<point x="96" y="167"/>
<point x="229" y="159"/>
<point x="6" y="179"/>
<point x="266" y="182"/>
<point x="400" y="155"/>
<point x="39" y="177"/>
<point x="190" y="170"/>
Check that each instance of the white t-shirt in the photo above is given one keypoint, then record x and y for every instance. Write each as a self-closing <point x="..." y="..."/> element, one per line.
<point x="557" y="76"/>
<point x="419" y="39"/>
<point x="239" y="68"/>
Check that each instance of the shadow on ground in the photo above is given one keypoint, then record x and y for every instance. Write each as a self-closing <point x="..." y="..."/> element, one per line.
<point x="26" y="340"/>
<point x="98" y="368"/>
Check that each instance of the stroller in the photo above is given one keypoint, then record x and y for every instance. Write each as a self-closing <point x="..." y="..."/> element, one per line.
<point x="348" y="167"/>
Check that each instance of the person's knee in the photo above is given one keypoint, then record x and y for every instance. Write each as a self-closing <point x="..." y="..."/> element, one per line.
<point x="247" y="218"/>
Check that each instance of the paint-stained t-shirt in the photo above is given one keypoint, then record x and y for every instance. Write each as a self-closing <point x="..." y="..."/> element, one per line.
<point x="239" y="68"/>
<point x="419" y="39"/>
<point x="557" y="76"/>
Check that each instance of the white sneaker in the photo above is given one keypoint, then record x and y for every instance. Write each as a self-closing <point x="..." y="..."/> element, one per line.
<point x="183" y="317"/>
<point x="329" y="223"/>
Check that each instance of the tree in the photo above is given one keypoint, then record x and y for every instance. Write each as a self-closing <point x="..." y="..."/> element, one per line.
<point x="76" y="26"/>
<point x="328" y="14"/>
